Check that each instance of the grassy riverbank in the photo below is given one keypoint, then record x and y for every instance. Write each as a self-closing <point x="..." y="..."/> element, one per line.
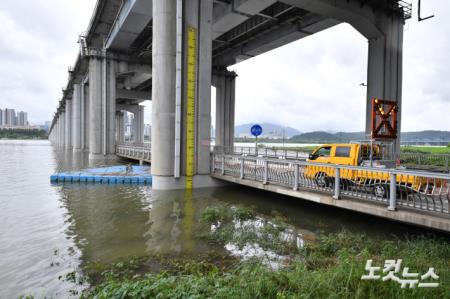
<point x="22" y="134"/>
<point x="426" y="149"/>
<point x="329" y="267"/>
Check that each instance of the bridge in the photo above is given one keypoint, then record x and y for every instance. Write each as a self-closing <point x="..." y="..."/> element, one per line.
<point x="375" y="191"/>
<point x="172" y="51"/>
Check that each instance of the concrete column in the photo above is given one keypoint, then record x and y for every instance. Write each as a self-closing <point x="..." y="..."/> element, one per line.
<point x="111" y="109"/>
<point x="68" y="125"/>
<point x="85" y="118"/>
<point x="63" y="129"/>
<point x="385" y="67"/>
<point x="141" y="124"/>
<point x="95" y="108"/>
<point x="163" y="92"/>
<point x="76" y="117"/>
<point x="57" y="131"/>
<point x="204" y="87"/>
<point x="120" y="127"/>
<point x="225" y="107"/>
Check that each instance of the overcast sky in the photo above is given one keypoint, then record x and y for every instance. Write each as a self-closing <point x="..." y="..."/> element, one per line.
<point x="311" y="84"/>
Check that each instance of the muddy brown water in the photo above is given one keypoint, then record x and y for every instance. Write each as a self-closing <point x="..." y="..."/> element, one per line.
<point x="48" y="231"/>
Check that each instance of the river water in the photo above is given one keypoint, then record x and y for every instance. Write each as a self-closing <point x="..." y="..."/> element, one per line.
<point x="48" y="231"/>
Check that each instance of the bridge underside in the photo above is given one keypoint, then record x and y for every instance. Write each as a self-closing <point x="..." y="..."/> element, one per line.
<point x="138" y="50"/>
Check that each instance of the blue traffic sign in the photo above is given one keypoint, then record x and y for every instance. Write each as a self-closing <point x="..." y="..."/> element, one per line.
<point x="256" y="130"/>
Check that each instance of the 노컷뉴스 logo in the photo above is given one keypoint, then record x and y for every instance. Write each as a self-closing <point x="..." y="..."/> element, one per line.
<point x="392" y="270"/>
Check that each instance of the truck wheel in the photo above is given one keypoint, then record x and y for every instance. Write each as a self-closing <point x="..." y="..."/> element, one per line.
<point x="380" y="190"/>
<point x="322" y="180"/>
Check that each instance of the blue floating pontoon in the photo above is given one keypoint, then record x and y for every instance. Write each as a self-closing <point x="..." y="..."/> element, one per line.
<point x="106" y="175"/>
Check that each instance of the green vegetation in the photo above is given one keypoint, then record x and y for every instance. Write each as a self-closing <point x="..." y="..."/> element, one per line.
<point x="330" y="267"/>
<point x="22" y="134"/>
<point x="426" y="149"/>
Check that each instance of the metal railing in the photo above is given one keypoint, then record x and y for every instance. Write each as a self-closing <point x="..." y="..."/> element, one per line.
<point x="261" y="152"/>
<point x="435" y="162"/>
<point x="409" y="189"/>
<point x="140" y="152"/>
<point x="406" y="9"/>
<point x="426" y="161"/>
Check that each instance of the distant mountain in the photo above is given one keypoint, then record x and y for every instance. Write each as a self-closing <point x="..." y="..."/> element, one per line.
<point x="325" y="137"/>
<point x="317" y="137"/>
<point x="426" y="136"/>
<point x="269" y="130"/>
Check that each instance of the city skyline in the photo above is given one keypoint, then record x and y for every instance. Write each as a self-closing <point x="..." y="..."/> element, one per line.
<point x="10" y="118"/>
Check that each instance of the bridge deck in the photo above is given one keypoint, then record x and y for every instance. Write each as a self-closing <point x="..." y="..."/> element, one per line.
<point x="139" y="152"/>
<point x="425" y="205"/>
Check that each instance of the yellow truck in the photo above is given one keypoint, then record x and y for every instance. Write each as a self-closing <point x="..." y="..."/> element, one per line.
<point x="376" y="156"/>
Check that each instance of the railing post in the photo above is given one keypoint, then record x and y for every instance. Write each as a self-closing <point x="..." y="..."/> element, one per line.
<point x="223" y="165"/>
<point x="446" y="163"/>
<point x="337" y="183"/>
<point x="242" y="169"/>
<point x="266" y="172"/>
<point x="393" y="192"/>
<point x="296" y="175"/>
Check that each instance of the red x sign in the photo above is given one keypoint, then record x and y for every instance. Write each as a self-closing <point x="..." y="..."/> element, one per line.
<point x="384" y="119"/>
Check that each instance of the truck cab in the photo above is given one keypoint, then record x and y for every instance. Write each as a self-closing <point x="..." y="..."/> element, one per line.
<point x="369" y="154"/>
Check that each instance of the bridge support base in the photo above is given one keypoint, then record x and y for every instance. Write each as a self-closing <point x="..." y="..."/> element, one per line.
<point x="171" y="183"/>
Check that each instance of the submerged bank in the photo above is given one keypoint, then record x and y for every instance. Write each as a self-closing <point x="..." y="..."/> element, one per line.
<point x="266" y="260"/>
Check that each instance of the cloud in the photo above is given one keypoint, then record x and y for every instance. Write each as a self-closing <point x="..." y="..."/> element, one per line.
<point x="37" y="44"/>
<point x="311" y="84"/>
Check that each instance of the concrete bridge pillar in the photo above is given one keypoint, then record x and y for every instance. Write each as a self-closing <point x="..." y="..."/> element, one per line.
<point x="95" y="108"/>
<point x="85" y="116"/>
<point x="110" y="107"/>
<point x="102" y="108"/>
<point x="76" y="117"/>
<point x="138" y="125"/>
<point x="62" y="129"/>
<point x="169" y="157"/>
<point x="163" y="91"/>
<point x="224" y="81"/>
<point x="385" y="65"/>
<point x="120" y="127"/>
<point x="68" y="125"/>
<point x="57" y="130"/>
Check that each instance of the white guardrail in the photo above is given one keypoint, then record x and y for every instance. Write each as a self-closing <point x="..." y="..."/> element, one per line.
<point x="135" y="151"/>
<point x="264" y="152"/>
<point x="396" y="188"/>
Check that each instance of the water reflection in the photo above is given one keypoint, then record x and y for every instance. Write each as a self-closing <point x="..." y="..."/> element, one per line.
<point x="84" y="223"/>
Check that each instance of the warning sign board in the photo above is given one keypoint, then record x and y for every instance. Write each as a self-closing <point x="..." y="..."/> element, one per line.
<point x="384" y="119"/>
